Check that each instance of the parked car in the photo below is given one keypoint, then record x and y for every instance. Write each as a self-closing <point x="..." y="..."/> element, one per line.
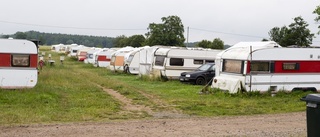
<point x="200" y="76"/>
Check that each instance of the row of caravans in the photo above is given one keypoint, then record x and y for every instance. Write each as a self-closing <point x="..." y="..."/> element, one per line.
<point x="18" y="63"/>
<point x="156" y="61"/>
<point x="170" y="63"/>
<point x="160" y="61"/>
<point x="61" y="48"/>
<point x="246" y="66"/>
<point x="266" y="66"/>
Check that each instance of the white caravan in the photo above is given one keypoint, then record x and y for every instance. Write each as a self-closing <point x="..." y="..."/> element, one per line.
<point x="171" y="62"/>
<point x="82" y="53"/>
<point x="146" y="60"/>
<point x="266" y="66"/>
<point x="74" y="50"/>
<point x="118" y="58"/>
<point x="56" y="48"/>
<point x="104" y="57"/>
<point x="132" y="63"/>
<point x="19" y="62"/>
<point x="91" y="55"/>
<point x="68" y="48"/>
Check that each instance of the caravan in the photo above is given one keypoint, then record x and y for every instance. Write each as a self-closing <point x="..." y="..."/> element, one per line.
<point x="118" y="58"/>
<point x="74" y="50"/>
<point x="104" y="57"/>
<point x="171" y="62"/>
<point x="266" y="66"/>
<point x="82" y="53"/>
<point x="91" y="55"/>
<point x="132" y="64"/>
<point x="146" y="60"/>
<point x="19" y="62"/>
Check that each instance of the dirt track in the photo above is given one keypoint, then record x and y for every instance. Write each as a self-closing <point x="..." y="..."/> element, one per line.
<point x="277" y="125"/>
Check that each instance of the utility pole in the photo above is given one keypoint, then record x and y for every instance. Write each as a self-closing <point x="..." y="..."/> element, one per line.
<point x="187" y="36"/>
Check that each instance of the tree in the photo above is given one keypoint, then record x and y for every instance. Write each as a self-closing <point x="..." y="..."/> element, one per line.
<point x="204" y="44"/>
<point x="217" y="44"/>
<point x="69" y="41"/>
<point x="296" y="34"/>
<point x="299" y="34"/>
<point x="120" y="41"/>
<point x="169" y="33"/>
<point x="5" y="36"/>
<point x="317" y="19"/>
<point x="20" y="35"/>
<point x="278" y="35"/>
<point x="136" y="40"/>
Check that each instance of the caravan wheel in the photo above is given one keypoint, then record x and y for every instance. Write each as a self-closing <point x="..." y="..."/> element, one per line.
<point x="126" y="69"/>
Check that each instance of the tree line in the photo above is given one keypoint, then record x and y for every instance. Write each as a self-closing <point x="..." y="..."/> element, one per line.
<point x="53" y="39"/>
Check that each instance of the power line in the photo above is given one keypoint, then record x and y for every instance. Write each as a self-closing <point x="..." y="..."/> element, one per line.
<point x="211" y="31"/>
<point x="226" y="33"/>
<point x="65" y="27"/>
<point x="128" y="29"/>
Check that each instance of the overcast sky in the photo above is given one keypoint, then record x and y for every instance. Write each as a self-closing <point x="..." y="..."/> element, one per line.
<point x="232" y="21"/>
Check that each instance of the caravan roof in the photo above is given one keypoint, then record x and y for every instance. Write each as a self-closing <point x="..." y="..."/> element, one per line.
<point x="15" y="46"/>
<point x="242" y="50"/>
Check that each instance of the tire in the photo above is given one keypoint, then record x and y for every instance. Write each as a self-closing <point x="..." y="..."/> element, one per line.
<point x="126" y="69"/>
<point x="201" y="81"/>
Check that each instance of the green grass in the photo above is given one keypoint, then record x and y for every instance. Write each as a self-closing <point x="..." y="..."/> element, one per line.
<point x="69" y="93"/>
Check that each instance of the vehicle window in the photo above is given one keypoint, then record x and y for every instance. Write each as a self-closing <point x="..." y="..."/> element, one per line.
<point x="232" y="66"/>
<point x="20" y="60"/>
<point x="176" y="62"/>
<point x="196" y="61"/>
<point x="213" y="68"/>
<point x="204" y="67"/>
<point x="159" y="60"/>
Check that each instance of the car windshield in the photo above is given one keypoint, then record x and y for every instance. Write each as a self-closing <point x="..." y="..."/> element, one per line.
<point x="204" y="67"/>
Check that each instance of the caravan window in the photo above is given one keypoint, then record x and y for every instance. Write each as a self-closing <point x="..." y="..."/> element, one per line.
<point x="290" y="66"/>
<point x="90" y="56"/>
<point x="159" y="60"/>
<point x="232" y="66"/>
<point x="209" y="61"/>
<point x="260" y="66"/>
<point x="176" y="62"/>
<point x="130" y="58"/>
<point x="20" y="60"/>
<point x="196" y="61"/>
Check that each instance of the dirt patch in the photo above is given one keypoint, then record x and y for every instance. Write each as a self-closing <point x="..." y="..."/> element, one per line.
<point x="130" y="107"/>
<point x="127" y="103"/>
<point x="275" y="125"/>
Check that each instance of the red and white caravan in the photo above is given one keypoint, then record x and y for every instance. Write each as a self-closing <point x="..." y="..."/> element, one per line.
<point x="18" y="64"/>
<point x="266" y="66"/>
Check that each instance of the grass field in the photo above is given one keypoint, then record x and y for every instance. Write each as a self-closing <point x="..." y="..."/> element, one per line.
<point x="70" y="93"/>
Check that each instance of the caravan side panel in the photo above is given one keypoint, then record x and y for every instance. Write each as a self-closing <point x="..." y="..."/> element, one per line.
<point x="146" y="60"/>
<point x="18" y="64"/>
